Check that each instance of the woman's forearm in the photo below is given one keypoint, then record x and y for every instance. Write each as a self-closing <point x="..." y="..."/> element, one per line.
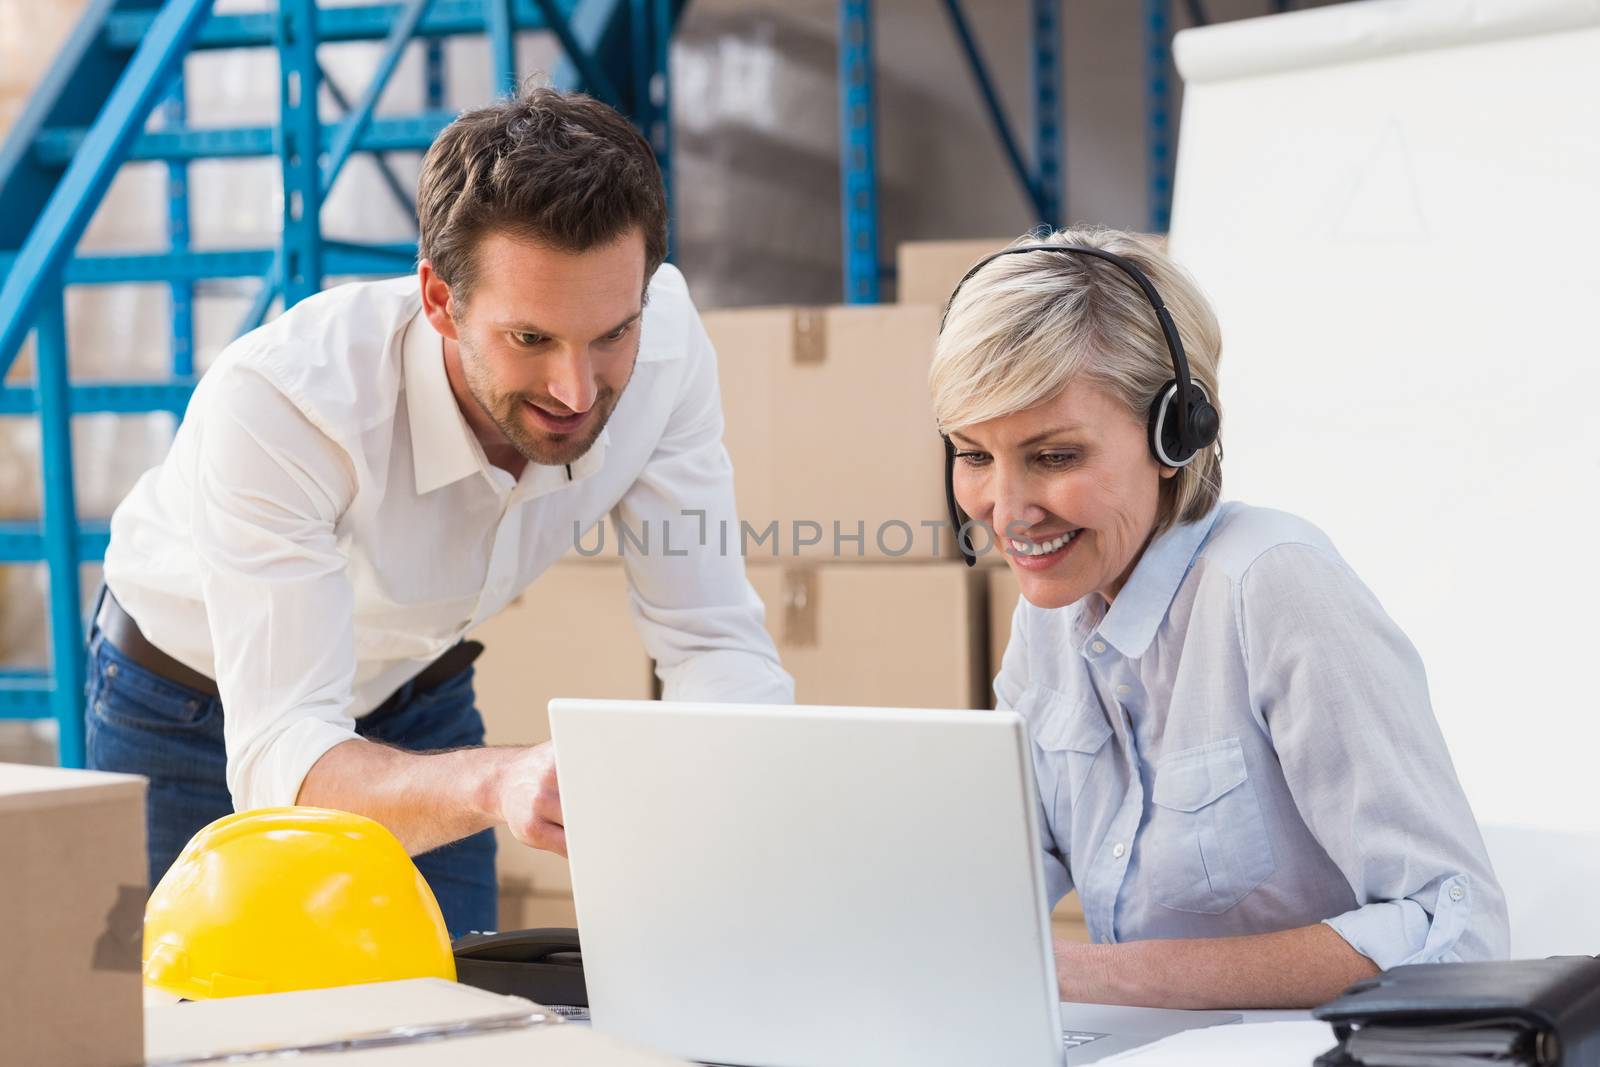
<point x="1297" y="968"/>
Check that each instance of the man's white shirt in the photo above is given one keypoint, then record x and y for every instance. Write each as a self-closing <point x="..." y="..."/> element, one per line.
<point x="326" y="525"/>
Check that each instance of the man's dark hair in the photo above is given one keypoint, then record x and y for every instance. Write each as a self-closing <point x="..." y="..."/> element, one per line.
<point x="559" y="168"/>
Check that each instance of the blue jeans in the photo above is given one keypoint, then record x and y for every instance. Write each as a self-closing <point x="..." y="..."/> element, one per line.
<point x="141" y="723"/>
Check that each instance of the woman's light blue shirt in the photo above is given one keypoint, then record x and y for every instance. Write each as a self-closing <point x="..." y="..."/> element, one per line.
<point x="1244" y="743"/>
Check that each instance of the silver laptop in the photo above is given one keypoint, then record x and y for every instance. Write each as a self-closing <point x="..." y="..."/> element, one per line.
<point x="772" y="886"/>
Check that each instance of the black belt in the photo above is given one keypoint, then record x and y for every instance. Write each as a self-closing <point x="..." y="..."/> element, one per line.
<point x="119" y="628"/>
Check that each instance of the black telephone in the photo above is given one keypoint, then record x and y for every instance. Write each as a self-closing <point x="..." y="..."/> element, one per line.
<point x="545" y="965"/>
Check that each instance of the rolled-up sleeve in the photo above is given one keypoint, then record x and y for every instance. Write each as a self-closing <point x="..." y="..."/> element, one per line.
<point x="269" y="491"/>
<point x="1344" y="697"/>
<point x="694" y="608"/>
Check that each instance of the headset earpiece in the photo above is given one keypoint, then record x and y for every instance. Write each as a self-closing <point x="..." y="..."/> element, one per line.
<point x="1179" y="430"/>
<point x="1167" y="440"/>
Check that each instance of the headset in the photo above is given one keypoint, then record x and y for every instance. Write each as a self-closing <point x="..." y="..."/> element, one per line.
<point x="1182" y="419"/>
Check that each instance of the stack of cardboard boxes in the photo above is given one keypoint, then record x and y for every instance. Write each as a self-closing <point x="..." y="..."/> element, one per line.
<point x="839" y="473"/>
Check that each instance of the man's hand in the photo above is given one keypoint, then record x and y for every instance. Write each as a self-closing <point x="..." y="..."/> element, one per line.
<point x="530" y="799"/>
<point x="429" y="799"/>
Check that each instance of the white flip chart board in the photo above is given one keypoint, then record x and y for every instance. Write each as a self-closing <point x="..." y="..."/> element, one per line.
<point x="1395" y="207"/>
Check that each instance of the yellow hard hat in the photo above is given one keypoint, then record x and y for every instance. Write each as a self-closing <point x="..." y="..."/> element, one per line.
<point x="279" y="899"/>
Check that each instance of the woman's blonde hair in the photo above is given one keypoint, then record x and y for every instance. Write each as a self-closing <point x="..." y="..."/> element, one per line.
<point x="1025" y="326"/>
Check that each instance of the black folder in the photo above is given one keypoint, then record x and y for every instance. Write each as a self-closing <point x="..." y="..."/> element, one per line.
<point x="1535" y="1012"/>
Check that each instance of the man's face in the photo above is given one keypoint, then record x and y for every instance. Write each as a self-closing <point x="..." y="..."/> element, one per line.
<point x="547" y="340"/>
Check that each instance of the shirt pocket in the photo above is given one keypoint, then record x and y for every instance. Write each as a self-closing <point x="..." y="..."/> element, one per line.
<point x="1206" y="845"/>
<point x="1070" y="733"/>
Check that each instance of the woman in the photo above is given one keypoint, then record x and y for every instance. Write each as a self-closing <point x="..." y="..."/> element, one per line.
<point x="1238" y="765"/>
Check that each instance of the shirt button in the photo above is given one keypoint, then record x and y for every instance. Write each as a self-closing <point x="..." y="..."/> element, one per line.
<point x="1120" y="850"/>
<point x="1456" y="893"/>
<point x="1098" y="646"/>
<point x="1124" y="690"/>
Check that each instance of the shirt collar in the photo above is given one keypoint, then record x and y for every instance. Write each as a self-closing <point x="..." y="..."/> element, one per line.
<point x="1131" y="622"/>
<point x="538" y="479"/>
<point x="442" y="446"/>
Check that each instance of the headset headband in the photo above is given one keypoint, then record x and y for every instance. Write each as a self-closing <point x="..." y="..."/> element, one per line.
<point x="1180" y="362"/>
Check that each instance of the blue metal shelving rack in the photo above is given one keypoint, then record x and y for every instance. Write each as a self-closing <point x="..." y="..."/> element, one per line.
<point x="1043" y="178"/>
<point x="1158" y="140"/>
<point x="90" y="115"/>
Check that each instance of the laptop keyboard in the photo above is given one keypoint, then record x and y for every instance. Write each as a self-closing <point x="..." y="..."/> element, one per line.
<point x="1078" y="1038"/>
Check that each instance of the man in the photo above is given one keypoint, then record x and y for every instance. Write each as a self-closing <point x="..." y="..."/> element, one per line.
<point x="360" y="483"/>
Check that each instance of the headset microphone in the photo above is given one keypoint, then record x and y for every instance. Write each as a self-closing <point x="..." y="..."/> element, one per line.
<point x="1182" y="420"/>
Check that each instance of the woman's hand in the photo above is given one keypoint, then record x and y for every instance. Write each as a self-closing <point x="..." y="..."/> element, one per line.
<point x="1298" y="968"/>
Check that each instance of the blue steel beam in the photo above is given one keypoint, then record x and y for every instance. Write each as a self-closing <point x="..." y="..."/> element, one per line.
<point x="1158" y="114"/>
<point x="356" y="122"/>
<point x="70" y="93"/>
<point x="22" y="542"/>
<point x="663" y="16"/>
<point x="180" y="293"/>
<point x="60" y="527"/>
<point x="641" y="60"/>
<point x="53" y="236"/>
<point x="298" y="272"/>
<point x="595" y="81"/>
<point x="391" y="181"/>
<point x="121" y="398"/>
<point x="501" y="27"/>
<point x="409" y="133"/>
<point x="125" y="269"/>
<point x="348" y="257"/>
<point x="371" y="22"/>
<point x="433" y="74"/>
<point x="1048" y="175"/>
<point x="857" y="152"/>
<point x="25" y="694"/>
<point x="593" y="22"/>
<point x="297" y="269"/>
<point x="991" y="101"/>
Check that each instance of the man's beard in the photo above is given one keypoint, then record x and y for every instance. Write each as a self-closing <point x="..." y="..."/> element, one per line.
<point x="508" y="412"/>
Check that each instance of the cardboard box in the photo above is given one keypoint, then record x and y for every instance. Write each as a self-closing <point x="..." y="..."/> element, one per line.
<point x="831" y="432"/>
<point x="890" y="635"/>
<point x="570" y="634"/>
<point x="72" y="916"/>
<point x="1003" y="594"/>
<point x="524" y="908"/>
<point x="1067" y="922"/>
<point x="929" y="270"/>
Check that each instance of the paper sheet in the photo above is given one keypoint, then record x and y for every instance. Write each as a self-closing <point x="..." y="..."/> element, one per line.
<point x="1247" y="1045"/>
<point x="205" y="1028"/>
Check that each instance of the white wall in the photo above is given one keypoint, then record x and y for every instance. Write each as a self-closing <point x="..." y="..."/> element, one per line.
<point x="1392" y="206"/>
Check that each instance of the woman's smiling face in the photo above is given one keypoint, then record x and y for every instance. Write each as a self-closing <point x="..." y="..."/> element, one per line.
<point x="1070" y="488"/>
